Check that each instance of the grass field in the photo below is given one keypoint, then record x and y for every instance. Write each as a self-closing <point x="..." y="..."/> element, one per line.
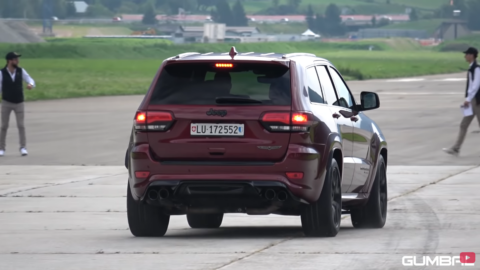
<point x="75" y="31"/>
<point x="66" y="78"/>
<point x="428" y="25"/>
<point x="461" y="44"/>
<point x="95" y="67"/>
<point x="161" y="49"/>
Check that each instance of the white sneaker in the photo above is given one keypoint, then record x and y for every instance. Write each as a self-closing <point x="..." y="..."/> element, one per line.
<point x="23" y="151"/>
<point x="2" y="153"/>
<point x="451" y="151"/>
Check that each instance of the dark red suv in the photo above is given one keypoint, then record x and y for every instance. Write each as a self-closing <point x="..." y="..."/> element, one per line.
<point x="254" y="133"/>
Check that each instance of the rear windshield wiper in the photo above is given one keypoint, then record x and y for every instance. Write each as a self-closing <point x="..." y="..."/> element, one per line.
<point x="223" y="100"/>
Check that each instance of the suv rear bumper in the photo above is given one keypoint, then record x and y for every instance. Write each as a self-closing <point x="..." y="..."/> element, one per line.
<point x="203" y="197"/>
<point x="297" y="159"/>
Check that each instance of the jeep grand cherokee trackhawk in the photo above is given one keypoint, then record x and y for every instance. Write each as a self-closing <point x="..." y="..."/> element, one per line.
<point x="254" y="133"/>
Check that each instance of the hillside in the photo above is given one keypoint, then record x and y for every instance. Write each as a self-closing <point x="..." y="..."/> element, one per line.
<point x="357" y="6"/>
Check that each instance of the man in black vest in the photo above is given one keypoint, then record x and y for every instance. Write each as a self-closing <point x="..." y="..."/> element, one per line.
<point x="472" y="99"/>
<point x="11" y="87"/>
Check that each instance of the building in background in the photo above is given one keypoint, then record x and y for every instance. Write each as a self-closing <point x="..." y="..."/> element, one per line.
<point x="80" y="6"/>
<point x="391" y="33"/>
<point x="452" y="29"/>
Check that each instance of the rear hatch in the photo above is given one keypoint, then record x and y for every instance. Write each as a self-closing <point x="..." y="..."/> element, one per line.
<point x="217" y="111"/>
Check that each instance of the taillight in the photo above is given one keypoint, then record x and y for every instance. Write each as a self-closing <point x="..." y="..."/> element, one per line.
<point x="142" y="174"/>
<point x="301" y="122"/>
<point x="287" y="122"/>
<point x="153" y="121"/>
<point x="294" y="175"/>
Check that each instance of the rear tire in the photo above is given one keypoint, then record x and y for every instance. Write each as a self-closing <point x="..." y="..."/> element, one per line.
<point x="374" y="213"/>
<point x="144" y="219"/>
<point x="205" y="221"/>
<point x="322" y="218"/>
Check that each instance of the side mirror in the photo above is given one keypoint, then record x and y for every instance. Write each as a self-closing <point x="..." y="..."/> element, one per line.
<point x="370" y="101"/>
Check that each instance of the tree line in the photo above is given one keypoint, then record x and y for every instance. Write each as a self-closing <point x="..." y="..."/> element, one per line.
<point x="470" y="12"/>
<point x="221" y="13"/>
<point x="34" y="9"/>
<point x="329" y="24"/>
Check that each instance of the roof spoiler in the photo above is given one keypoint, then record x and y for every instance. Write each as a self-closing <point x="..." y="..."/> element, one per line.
<point x="285" y="56"/>
<point x="185" y="54"/>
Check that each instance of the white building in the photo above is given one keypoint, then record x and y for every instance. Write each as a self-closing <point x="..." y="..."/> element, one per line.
<point x="80" y="6"/>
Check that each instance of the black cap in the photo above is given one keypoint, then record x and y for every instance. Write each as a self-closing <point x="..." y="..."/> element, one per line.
<point x="471" y="50"/>
<point x="12" y="55"/>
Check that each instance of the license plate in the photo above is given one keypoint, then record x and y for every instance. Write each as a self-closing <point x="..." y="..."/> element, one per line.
<point x="198" y="129"/>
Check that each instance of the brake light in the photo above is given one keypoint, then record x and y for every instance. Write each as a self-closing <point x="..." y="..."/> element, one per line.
<point x="223" y="65"/>
<point x="153" y="121"/>
<point x="141" y="117"/>
<point x="287" y="122"/>
<point x="299" y="118"/>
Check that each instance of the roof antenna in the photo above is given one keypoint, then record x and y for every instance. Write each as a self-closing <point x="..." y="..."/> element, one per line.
<point x="233" y="52"/>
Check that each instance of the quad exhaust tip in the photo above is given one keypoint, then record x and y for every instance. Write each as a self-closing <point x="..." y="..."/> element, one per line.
<point x="270" y="194"/>
<point x="163" y="193"/>
<point x="282" y="196"/>
<point x="152" y="195"/>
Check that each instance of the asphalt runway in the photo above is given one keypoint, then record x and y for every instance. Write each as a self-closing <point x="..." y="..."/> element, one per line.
<point x="71" y="214"/>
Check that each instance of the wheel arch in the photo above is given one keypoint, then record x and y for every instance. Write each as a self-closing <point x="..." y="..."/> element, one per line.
<point x="384" y="154"/>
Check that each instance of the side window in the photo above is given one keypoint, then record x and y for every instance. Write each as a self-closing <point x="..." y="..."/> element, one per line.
<point x="314" y="89"/>
<point x="327" y="86"/>
<point x="344" y="97"/>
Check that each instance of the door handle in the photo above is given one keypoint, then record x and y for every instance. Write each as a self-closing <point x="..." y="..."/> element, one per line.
<point x="354" y="118"/>
<point x="346" y="114"/>
<point x="336" y="115"/>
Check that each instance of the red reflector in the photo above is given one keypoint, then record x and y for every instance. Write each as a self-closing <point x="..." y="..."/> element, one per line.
<point x="295" y="175"/>
<point x="153" y="117"/>
<point x="142" y="174"/>
<point x="299" y="118"/>
<point x="277" y="118"/>
<point x="141" y="117"/>
<point x="223" y="65"/>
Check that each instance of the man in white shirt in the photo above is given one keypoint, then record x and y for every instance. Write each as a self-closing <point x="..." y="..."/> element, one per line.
<point x="11" y="88"/>
<point x="472" y="98"/>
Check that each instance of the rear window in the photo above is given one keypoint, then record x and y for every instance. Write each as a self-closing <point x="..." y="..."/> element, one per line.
<point x="206" y="84"/>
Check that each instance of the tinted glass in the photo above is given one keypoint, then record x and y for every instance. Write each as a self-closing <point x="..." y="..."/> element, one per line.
<point x="314" y="89"/>
<point x="203" y="84"/>
<point x="327" y="86"/>
<point x="344" y="97"/>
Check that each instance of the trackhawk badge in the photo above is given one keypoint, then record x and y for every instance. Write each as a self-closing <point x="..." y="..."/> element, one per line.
<point x="213" y="112"/>
<point x="269" y="147"/>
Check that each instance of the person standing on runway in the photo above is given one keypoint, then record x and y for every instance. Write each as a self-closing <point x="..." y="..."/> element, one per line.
<point x="11" y="88"/>
<point x="472" y="98"/>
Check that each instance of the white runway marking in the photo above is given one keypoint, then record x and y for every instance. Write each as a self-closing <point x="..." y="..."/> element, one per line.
<point x="419" y="93"/>
<point x="451" y="80"/>
<point x="407" y="80"/>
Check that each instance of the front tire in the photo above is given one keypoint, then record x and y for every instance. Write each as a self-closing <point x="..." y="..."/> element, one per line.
<point x="374" y="213"/>
<point x="205" y="221"/>
<point x="144" y="219"/>
<point x="322" y="218"/>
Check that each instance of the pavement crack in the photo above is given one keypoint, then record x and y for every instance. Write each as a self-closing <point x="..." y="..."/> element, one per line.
<point x="432" y="183"/>
<point x="256" y="252"/>
<point x="58" y="184"/>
